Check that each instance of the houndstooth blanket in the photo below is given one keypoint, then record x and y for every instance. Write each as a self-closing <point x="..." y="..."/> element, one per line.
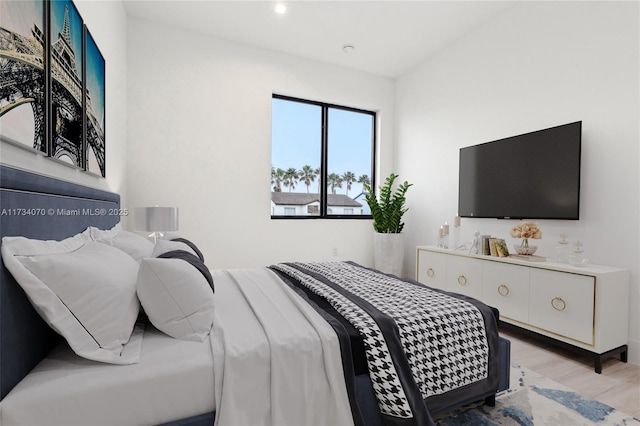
<point x="420" y="343"/>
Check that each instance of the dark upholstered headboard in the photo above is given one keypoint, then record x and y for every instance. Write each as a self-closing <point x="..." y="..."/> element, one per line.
<point x="37" y="206"/>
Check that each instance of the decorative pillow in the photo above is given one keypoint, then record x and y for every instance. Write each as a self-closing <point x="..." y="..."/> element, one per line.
<point x="131" y="243"/>
<point x="190" y="244"/>
<point x="164" y="246"/>
<point x="84" y="290"/>
<point x="193" y="261"/>
<point x="176" y="297"/>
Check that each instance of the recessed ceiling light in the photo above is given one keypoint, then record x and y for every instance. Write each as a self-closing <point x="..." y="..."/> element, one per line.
<point x="348" y="48"/>
<point x="280" y="8"/>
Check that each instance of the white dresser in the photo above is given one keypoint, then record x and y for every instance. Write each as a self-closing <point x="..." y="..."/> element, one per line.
<point x="583" y="307"/>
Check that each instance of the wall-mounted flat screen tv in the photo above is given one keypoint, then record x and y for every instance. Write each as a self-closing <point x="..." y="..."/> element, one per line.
<point x="531" y="176"/>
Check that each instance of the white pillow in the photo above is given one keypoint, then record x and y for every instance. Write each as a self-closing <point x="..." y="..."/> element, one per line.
<point x="84" y="290"/>
<point x="131" y="243"/>
<point x="176" y="297"/>
<point x="164" y="246"/>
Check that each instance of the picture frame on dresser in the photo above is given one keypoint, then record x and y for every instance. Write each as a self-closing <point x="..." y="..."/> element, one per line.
<point x="581" y="308"/>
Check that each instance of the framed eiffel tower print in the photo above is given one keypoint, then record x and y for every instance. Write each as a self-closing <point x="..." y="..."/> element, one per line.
<point x="22" y="69"/>
<point x="66" y="106"/>
<point x="94" y="107"/>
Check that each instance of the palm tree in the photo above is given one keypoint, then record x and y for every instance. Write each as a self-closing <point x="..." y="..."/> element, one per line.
<point x="308" y="175"/>
<point x="364" y="180"/>
<point x="317" y="172"/>
<point x="277" y="176"/>
<point x="334" y="180"/>
<point x="290" y="178"/>
<point x="348" y="178"/>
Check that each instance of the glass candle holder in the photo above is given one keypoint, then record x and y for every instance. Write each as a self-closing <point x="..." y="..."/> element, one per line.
<point x="562" y="249"/>
<point x="577" y="257"/>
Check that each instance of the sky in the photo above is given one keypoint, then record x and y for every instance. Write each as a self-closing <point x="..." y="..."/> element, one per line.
<point x="95" y="78"/>
<point x="296" y="133"/>
<point x="75" y="28"/>
<point x="19" y="17"/>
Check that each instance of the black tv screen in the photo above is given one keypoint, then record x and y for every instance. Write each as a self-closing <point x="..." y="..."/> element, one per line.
<point x="531" y="176"/>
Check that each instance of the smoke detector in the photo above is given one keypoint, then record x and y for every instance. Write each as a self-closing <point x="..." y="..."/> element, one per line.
<point x="348" y="49"/>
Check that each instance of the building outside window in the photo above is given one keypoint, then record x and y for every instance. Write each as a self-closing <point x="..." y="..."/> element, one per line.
<point x="321" y="155"/>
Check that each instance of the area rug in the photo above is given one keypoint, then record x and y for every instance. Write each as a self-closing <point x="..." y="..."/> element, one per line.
<point x="534" y="400"/>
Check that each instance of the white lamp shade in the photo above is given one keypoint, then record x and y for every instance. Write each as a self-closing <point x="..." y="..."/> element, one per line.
<point x="156" y="219"/>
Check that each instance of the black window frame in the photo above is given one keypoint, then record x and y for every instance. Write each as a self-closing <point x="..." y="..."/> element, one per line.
<point x="324" y="144"/>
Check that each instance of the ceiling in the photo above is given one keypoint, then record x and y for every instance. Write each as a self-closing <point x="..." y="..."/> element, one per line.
<point x="388" y="37"/>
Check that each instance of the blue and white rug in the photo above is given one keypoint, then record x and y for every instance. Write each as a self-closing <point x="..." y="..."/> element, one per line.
<point x="534" y="400"/>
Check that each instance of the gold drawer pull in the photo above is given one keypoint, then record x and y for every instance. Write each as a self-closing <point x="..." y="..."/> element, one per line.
<point x="558" y="304"/>
<point x="430" y="272"/>
<point x="503" y="290"/>
<point x="462" y="280"/>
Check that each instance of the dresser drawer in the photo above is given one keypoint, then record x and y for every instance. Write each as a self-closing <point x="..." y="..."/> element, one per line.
<point x="464" y="275"/>
<point x="506" y="287"/>
<point x="432" y="269"/>
<point x="563" y="304"/>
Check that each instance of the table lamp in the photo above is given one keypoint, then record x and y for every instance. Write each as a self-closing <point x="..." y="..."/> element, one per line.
<point x="156" y="220"/>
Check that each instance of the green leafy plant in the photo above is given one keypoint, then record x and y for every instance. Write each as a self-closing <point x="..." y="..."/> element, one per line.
<point x="388" y="210"/>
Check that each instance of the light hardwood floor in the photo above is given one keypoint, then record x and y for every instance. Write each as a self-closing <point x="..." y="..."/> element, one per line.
<point x="617" y="386"/>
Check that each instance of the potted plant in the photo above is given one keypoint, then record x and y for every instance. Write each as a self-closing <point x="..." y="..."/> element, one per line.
<point x="387" y="212"/>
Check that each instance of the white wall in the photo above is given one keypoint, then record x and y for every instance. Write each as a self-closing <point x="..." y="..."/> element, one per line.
<point x="537" y="65"/>
<point x="199" y="131"/>
<point x="107" y="22"/>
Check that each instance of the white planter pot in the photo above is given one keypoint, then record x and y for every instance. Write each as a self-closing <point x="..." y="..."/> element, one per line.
<point x="388" y="252"/>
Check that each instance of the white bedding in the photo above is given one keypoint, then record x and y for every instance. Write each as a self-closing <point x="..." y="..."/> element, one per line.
<point x="173" y="380"/>
<point x="276" y="361"/>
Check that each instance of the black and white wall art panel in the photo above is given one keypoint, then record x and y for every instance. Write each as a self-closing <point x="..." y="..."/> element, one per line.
<point x="22" y="70"/>
<point x="52" y="83"/>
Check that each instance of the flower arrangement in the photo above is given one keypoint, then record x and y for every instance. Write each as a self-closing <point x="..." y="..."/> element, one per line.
<point x="526" y="230"/>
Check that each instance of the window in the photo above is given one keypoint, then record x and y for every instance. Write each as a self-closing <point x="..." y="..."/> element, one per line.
<point x="321" y="154"/>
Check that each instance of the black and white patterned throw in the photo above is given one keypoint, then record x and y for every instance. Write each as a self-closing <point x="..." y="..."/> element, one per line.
<point x="413" y="336"/>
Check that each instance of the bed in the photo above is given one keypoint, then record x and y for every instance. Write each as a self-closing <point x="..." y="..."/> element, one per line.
<point x="179" y="382"/>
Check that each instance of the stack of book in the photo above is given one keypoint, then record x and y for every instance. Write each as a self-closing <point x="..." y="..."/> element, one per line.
<point x="497" y="247"/>
<point x="494" y="246"/>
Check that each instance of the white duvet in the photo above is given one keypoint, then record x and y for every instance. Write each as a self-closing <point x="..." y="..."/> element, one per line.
<point x="276" y="361"/>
